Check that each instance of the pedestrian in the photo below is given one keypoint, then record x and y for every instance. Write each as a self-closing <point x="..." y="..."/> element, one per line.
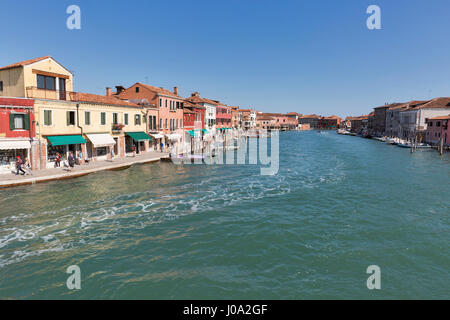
<point x="80" y="158"/>
<point x="71" y="161"/>
<point x="112" y="154"/>
<point x="162" y="146"/>
<point x="28" y="166"/>
<point x="133" y="149"/>
<point x="19" y="164"/>
<point x="58" y="160"/>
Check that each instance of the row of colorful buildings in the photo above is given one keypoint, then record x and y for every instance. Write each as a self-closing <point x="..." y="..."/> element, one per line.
<point x="42" y="116"/>
<point x="425" y="121"/>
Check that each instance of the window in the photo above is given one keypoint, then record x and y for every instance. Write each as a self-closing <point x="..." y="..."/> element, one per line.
<point x="438" y="124"/>
<point x="46" y="82"/>
<point x="165" y="124"/>
<point x="103" y="118"/>
<point x="70" y="118"/>
<point x="160" y="123"/>
<point x="125" y="119"/>
<point x="166" y="103"/>
<point x="177" y="124"/>
<point x="1" y="86"/>
<point x="137" y="89"/>
<point x="48" y="117"/>
<point x="115" y="118"/>
<point x="160" y="102"/>
<point x="19" y="121"/>
<point x="137" y="119"/>
<point x="87" y="118"/>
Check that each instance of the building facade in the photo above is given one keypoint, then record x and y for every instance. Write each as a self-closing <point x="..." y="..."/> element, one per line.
<point x="170" y="111"/>
<point x="413" y="121"/>
<point x="437" y="130"/>
<point x="17" y="132"/>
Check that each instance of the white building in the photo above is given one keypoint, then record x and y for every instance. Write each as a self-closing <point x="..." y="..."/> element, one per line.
<point x="414" y="120"/>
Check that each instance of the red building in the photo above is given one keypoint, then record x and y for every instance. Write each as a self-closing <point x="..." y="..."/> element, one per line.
<point x="329" y="123"/>
<point x="223" y="116"/>
<point x="17" y="130"/>
<point x="170" y="109"/>
<point x="194" y="116"/>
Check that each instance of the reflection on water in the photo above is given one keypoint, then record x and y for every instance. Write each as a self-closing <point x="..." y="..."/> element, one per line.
<point x="338" y="205"/>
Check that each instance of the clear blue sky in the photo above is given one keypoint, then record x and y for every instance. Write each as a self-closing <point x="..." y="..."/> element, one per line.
<point x="280" y="56"/>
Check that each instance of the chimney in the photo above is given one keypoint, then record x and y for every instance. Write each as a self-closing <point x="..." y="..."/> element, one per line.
<point x="119" y="89"/>
<point x="175" y="90"/>
<point x="108" y="91"/>
<point x="195" y="94"/>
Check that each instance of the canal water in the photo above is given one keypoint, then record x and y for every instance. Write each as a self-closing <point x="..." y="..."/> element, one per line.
<point x="159" y="231"/>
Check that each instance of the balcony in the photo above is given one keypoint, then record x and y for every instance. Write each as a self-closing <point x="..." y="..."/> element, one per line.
<point x="36" y="93"/>
<point x="117" y="128"/>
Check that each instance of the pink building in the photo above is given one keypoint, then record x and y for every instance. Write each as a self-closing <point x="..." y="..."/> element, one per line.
<point x="438" y="128"/>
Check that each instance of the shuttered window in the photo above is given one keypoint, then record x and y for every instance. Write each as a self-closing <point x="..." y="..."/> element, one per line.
<point x="19" y="121"/>
<point x="47" y="117"/>
<point x="103" y="118"/>
<point x="125" y="119"/>
<point x="87" y="118"/>
<point x="70" y="118"/>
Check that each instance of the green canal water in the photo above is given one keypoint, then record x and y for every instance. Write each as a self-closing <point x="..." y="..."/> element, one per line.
<point x="158" y="231"/>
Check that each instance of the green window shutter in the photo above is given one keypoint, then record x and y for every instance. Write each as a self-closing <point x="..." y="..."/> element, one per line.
<point x="11" y="121"/>
<point x="47" y="117"/>
<point x="68" y="118"/>
<point x="26" y="122"/>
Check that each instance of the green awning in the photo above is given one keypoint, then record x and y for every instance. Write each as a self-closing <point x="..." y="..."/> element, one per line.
<point x="139" y="136"/>
<point x="205" y="131"/>
<point x="192" y="133"/>
<point x="63" y="140"/>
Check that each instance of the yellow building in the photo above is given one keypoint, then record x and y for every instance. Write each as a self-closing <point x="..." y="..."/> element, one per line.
<point x="43" y="78"/>
<point x="93" y="127"/>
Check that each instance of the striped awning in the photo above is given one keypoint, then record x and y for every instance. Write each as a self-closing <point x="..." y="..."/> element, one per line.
<point x="14" y="144"/>
<point x="157" y="135"/>
<point x="173" y="136"/>
<point x="101" y="140"/>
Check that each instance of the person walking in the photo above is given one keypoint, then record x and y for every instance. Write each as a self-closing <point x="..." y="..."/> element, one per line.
<point x="162" y="146"/>
<point x="112" y="154"/>
<point x="19" y="164"/>
<point x="58" y="160"/>
<point x="133" y="149"/>
<point x="71" y="161"/>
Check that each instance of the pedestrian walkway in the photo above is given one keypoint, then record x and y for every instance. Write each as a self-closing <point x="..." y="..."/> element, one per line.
<point x="11" y="180"/>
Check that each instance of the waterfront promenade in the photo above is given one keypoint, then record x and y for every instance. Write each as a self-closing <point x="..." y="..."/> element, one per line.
<point x="62" y="173"/>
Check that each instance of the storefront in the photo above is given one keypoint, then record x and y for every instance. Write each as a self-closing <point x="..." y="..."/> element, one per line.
<point x="9" y="150"/>
<point x="100" y="145"/>
<point x="158" y="138"/>
<point x="63" y="145"/>
<point x="136" y="139"/>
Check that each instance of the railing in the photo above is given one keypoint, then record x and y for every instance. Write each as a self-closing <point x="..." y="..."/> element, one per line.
<point x="37" y="93"/>
<point x="117" y="127"/>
